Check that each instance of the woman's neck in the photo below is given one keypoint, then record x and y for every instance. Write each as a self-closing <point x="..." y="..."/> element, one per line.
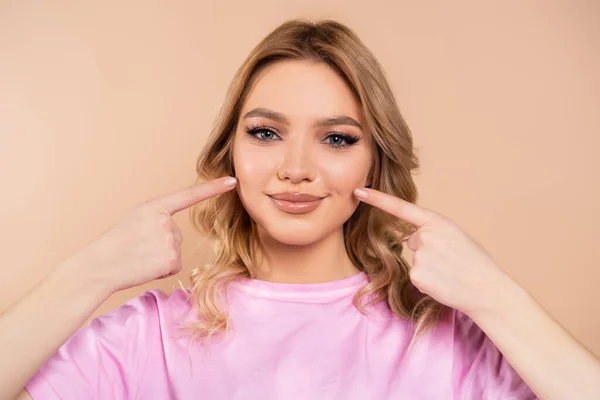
<point x="322" y="261"/>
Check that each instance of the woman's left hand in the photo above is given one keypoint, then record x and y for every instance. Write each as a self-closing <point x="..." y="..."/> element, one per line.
<point x="448" y="264"/>
<point x="455" y="270"/>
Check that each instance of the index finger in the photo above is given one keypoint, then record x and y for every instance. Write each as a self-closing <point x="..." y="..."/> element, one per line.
<point x="402" y="209"/>
<point x="182" y="199"/>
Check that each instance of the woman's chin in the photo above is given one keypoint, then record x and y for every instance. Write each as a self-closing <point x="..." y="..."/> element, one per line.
<point x="293" y="236"/>
<point x="294" y="239"/>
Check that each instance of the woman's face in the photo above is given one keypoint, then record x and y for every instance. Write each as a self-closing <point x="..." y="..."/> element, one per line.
<point x="300" y="151"/>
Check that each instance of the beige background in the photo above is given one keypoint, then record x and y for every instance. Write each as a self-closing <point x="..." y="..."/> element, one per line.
<point x="106" y="104"/>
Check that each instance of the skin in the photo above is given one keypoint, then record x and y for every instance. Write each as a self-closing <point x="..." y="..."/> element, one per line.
<point x="448" y="264"/>
<point x="144" y="246"/>
<point x="454" y="269"/>
<point x="300" y="155"/>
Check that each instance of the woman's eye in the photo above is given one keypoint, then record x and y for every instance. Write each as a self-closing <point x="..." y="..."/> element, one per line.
<point x="339" y="140"/>
<point x="262" y="134"/>
<point x="265" y="134"/>
<point x="336" y="140"/>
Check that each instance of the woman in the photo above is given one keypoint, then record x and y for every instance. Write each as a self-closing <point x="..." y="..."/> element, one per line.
<point x="309" y="296"/>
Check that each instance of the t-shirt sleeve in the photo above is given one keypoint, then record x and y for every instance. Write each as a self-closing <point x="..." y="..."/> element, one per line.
<point x="105" y="359"/>
<point x="480" y="371"/>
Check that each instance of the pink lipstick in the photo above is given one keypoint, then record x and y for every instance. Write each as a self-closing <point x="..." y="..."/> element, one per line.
<point x="296" y="203"/>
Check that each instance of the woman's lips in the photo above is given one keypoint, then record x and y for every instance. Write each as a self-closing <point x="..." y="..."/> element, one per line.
<point x="296" y="203"/>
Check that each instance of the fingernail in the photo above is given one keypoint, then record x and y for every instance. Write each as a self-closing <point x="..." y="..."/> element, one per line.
<point x="361" y="194"/>
<point x="230" y="182"/>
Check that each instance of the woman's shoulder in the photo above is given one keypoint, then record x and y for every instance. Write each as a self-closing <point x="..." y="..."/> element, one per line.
<point x="456" y="325"/>
<point x="463" y="334"/>
<point x="468" y="338"/>
<point x="152" y="307"/>
<point x="157" y="298"/>
<point x="157" y="301"/>
<point x="110" y="354"/>
<point x="478" y="366"/>
<point x="456" y="338"/>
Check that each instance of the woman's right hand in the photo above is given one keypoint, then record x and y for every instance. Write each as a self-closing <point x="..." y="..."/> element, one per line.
<point x="146" y="244"/>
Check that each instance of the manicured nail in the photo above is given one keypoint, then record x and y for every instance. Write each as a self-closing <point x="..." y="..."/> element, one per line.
<point x="361" y="194"/>
<point x="230" y="182"/>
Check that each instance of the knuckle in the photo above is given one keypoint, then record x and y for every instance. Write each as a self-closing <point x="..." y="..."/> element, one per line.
<point x="174" y="266"/>
<point x="416" y="258"/>
<point x="164" y="221"/>
<point x="171" y="242"/>
<point x="173" y="255"/>
<point x="412" y="273"/>
<point x="415" y="275"/>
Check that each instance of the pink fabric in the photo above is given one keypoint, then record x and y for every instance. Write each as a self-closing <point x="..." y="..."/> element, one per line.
<point x="286" y="342"/>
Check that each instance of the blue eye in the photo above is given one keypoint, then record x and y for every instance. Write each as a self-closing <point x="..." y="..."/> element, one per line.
<point x="341" y="140"/>
<point x="262" y="134"/>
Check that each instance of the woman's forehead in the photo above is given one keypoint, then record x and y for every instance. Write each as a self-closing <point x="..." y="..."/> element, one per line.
<point x="300" y="90"/>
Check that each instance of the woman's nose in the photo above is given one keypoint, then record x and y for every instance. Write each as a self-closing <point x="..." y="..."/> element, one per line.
<point x="297" y="164"/>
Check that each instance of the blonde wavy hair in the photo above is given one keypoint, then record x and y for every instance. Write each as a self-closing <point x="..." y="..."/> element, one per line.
<point x="373" y="240"/>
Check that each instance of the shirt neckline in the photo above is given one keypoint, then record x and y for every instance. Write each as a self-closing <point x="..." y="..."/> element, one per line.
<point x="302" y="292"/>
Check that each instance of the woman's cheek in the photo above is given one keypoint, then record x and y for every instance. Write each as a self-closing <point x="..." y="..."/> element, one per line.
<point x="343" y="176"/>
<point x="253" y="164"/>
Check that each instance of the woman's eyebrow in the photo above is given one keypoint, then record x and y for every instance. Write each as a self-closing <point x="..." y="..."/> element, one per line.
<point x="337" y="120"/>
<point x="269" y="114"/>
<point x="323" y="122"/>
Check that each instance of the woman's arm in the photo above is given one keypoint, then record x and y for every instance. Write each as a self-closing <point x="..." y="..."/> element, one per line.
<point x="550" y="361"/>
<point x="143" y="247"/>
<point x="36" y="326"/>
<point x="457" y="271"/>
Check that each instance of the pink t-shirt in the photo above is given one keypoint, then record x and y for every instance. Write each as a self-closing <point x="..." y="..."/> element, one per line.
<point x="287" y="341"/>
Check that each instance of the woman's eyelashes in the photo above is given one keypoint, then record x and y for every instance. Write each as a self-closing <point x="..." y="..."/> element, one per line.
<point x="341" y="139"/>
<point x="336" y="140"/>
<point x="262" y="134"/>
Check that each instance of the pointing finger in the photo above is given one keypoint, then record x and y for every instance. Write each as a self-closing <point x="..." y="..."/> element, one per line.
<point x="182" y="199"/>
<point x="402" y="209"/>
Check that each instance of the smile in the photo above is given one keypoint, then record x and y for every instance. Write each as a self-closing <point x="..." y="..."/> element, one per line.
<point x="296" y="203"/>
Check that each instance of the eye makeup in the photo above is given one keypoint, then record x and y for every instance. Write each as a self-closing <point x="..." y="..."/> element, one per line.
<point x="334" y="139"/>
